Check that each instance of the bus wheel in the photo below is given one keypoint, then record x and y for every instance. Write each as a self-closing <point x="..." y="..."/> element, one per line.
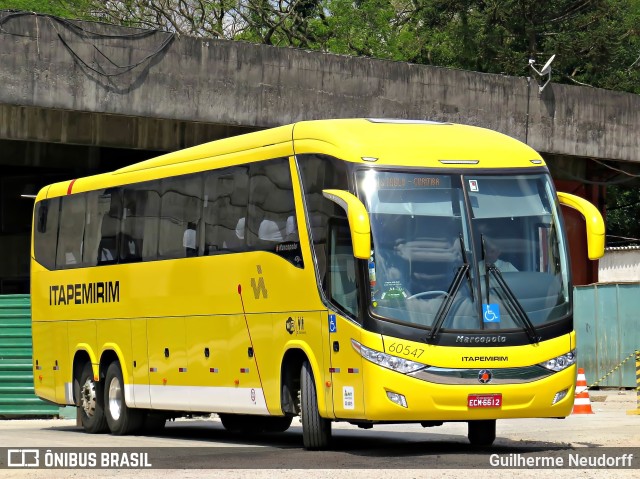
<point x="482" y="433"/>
<point x="276" y="423"/>
<point x="120" y="418"/>
<point x="316" y="430"/>
<point x="90" y="402"/>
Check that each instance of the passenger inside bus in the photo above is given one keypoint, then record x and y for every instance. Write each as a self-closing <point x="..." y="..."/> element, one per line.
<point x="189" y="240"/>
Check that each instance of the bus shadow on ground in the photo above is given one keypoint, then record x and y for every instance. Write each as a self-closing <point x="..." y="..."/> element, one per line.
<point x="346" y="440"/>
<point x="192" y="448"/>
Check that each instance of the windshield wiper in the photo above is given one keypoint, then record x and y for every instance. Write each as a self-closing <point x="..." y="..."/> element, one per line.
<point x="512" y="303"/>
<point x="445" y="306"/>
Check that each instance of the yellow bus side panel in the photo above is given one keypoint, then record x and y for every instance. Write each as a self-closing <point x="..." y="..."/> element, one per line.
<point x="43" y="360"/>
<point x="346" y="371"/>
<point x="62" y="363"/>
<point x="115" y="335"/>
<point x="140" y="377"/>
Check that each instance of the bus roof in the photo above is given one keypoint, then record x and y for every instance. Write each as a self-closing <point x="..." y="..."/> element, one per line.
<point x="416" y="143"/>
<point x="409" y="143"/>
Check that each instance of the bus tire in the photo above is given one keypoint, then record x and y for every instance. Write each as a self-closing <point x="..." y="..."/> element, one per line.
<point x="316" y="430"/>
<point x="121" y="419"/>
<point x="90" y="401"/>
<point x="482" y="433"/>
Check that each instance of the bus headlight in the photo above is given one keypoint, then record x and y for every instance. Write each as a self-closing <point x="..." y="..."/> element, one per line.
<point x="388" y="361"/>
<point x="561" y="362"/>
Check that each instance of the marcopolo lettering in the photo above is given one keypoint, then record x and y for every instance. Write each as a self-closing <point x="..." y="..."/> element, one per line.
<point x="84" y="293"/>
<point x="460" y="338"/>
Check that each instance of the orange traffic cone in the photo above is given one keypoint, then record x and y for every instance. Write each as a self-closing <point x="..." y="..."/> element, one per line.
<point x="582" y="403"/>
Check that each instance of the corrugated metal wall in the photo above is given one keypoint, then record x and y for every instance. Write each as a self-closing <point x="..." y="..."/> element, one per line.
<point x="17" y="397"/>
<point x="607" y="324"/>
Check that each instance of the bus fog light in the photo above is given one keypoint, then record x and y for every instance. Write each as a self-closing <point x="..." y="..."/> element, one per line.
<point x="396" y="398"/>
<point x="560" y="395"/>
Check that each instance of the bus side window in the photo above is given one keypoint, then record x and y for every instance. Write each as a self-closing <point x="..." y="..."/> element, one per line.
<point x="109" y="227"/>
<point x="46" y="233"/>
<point x="180" y="212"/>
<point x="70" y="238"/>
<point x="321" y="172"/>
<point x="225" y="210"/>
<point x="97" y="208"/>
<point x="342" y="278"/>
<point x="132" y="228"/>
<point x="272" y="215"/>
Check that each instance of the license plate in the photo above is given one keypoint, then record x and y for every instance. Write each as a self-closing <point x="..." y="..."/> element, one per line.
<point x="484" y="400"/>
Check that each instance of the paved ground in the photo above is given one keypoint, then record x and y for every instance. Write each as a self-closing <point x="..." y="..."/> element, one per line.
<point x="384" y="451"/>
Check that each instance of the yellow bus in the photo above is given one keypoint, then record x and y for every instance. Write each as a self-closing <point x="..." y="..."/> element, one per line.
<point x="368" y="271"/>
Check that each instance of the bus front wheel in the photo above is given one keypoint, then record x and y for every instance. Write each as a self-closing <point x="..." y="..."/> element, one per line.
<point x="316" y="430"/>
<point x="90" y="401"/>
<point x="120" y="418"/>
<point x="482" y="433"/>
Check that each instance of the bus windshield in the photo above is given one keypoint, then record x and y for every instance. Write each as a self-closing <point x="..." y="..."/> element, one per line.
<point x="465" y="252"/>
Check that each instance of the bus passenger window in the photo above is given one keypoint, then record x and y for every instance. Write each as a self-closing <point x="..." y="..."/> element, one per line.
<point x="180" y="214"/>
<point x="225" y="210"/>
<point x="271" y="218"/>
<point x="139" y="211"/>
<point x="70" y="240"/>
<point x="109" y="228"/>
<point x="47" y="212"/>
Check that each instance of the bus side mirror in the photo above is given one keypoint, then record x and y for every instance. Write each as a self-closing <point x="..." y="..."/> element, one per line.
<point x="593" y="219"/>
<point x="358" y="221"/>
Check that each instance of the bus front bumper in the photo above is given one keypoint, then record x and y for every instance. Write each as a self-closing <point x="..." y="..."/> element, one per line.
<point x="392" y="396"/>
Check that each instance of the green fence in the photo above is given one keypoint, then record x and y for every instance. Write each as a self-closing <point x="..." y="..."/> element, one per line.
<point x="607" y="324"/>
<point x="17" y="397"/>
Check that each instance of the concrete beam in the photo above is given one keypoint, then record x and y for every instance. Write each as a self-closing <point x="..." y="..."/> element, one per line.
<point x="47" y="65"/>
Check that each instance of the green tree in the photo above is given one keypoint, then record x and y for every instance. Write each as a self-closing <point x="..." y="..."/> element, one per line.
<point x="62" y="8"/>
<point x="623" y="209"/>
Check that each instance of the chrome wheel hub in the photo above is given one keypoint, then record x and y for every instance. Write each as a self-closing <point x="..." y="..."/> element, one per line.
<point x="115" y="399"/>
<point x="88" y="397"/>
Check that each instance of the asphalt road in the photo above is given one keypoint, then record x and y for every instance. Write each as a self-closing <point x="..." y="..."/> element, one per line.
<point x="202" y="448"/>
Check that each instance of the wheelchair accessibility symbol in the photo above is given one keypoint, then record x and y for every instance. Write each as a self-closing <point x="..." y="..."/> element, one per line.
<point x="491" y="313"/>
<point x="333" y="328"/>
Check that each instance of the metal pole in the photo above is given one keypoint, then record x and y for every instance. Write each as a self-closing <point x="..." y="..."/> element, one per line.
<point x="636" y="411"/>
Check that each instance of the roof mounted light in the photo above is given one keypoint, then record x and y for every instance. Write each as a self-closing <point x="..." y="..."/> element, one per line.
<point x="536" y="162"/>
<point x="369" y="158"/>
<point x="459" y="162"/>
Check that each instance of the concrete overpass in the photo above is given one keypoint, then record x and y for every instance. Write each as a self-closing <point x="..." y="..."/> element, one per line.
<point x="77" y="98"/>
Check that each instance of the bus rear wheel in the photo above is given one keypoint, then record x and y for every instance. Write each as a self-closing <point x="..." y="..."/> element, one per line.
<point x="89" y="400"/>
<point x="482" y="433"/>
<point x="316" y="430"/>
<point x="120" y="418"/>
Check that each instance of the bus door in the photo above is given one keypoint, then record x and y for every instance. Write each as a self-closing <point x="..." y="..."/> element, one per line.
<point x="346" y="363"/>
